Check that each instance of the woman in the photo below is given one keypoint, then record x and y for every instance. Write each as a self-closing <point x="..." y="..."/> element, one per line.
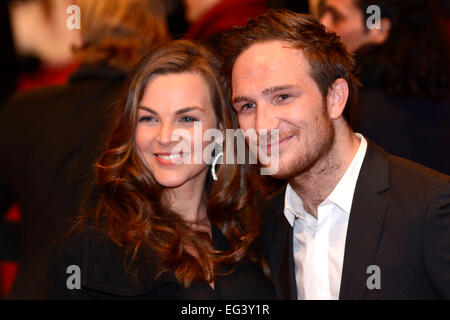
<point x="162" y="227"/>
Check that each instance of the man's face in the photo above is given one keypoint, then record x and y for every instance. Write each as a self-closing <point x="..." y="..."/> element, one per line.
<point x="273" y="89"/>
<point x="346" y="19"/>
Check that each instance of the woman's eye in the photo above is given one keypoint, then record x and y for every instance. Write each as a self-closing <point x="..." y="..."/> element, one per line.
<point x="188" y="119"/>
<point x="247" y="106"/>
<point x="147" y="119"/>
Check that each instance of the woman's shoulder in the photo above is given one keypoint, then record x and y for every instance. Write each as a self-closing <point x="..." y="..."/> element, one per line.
<point x="247" y="279"/>
<point x="103" y="267"/>
<point x="246" y="282"/>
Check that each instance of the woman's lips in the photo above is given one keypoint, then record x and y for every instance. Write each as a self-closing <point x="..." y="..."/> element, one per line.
<point x="169" y="159"/>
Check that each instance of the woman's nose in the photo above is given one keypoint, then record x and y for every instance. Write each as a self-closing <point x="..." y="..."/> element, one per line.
<point x="165" y="134"/>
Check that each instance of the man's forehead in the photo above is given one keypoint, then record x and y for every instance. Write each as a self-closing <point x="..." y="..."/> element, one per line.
<point x="266" y="57"/>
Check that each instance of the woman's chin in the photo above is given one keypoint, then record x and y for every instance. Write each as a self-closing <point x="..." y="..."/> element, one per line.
<point x="171" y="183"/>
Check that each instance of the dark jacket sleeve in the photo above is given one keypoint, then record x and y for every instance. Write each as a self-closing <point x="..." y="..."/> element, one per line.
<point x="437" y="241"/>
<point x="9" y="231"/>
<point x="5" y="197"/>
<point x="65" y="264"/>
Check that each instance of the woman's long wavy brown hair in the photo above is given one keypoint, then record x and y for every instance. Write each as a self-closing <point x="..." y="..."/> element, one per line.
<point x="130" y="208"/>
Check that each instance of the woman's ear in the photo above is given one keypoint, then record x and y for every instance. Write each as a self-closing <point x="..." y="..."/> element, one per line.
<point x="337" y="98"/>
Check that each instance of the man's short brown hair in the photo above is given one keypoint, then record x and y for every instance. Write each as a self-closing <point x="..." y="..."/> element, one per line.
<point x="327" y="56"/>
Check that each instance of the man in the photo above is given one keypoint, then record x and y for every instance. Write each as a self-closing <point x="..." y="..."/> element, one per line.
<point x="353" y="222"/>
<point x="347" y="18"/>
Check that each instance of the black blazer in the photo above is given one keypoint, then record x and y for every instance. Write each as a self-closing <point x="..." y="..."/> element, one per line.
<point x="399" y="221"/>
<point x="103" y="275"/>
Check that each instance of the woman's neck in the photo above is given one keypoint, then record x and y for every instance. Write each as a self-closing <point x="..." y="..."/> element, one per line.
<point x="188" y="200"/>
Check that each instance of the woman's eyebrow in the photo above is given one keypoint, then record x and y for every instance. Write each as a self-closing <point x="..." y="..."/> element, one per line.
<point x="148" y="109"/>
<point x="240" y="99"/>
<point x="188" y="109"/>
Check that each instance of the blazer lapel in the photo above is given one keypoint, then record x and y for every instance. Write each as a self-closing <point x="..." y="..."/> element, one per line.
<point x="365" y="224"/>
<point x="278" y="238"/>
<point x="284" y="263"/>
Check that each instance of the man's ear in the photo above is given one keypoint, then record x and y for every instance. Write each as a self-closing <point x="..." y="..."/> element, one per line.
<point x="379" y="36"/>
<point x="337" y="98"/>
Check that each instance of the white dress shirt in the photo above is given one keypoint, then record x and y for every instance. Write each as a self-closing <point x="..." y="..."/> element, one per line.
<point x="319" y="244"/>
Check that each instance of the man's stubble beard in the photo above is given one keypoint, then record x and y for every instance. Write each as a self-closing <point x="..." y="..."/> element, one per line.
<point x="319" y="153"/>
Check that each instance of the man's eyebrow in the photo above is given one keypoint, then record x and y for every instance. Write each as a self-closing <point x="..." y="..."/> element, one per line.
<point x="277" y="88"/>
<point x="265" y="92"/>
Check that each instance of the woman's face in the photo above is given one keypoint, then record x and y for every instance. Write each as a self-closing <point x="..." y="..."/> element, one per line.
<point x="171" y="102"/>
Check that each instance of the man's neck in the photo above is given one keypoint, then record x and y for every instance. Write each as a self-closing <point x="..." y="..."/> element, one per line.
<point x="316" y="184"/>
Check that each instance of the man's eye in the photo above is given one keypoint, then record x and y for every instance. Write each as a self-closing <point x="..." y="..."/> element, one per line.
<point x="188" y="119"/>
<point x="283" y="97"/>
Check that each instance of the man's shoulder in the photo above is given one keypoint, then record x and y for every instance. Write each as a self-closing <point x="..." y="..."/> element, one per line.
<point x="402" y="176"/>
<point x="402" y="168"/>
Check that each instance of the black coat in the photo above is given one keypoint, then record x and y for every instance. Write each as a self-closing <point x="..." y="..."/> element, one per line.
<point x="103" y="275"/>
<point x="399" y="221"/>
<point x="49" y="139"/>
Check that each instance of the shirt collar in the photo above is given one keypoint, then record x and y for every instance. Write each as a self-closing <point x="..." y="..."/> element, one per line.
<point x="342" y="194"/>
<point x="293" y="205"/>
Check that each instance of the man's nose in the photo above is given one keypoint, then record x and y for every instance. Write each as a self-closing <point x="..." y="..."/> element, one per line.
<point x="266" y="119"/>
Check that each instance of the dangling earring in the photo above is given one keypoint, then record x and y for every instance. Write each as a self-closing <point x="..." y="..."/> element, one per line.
<point x="216" y="158"/>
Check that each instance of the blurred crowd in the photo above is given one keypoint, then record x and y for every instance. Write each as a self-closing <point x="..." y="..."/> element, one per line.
<point x="59" y="85"/>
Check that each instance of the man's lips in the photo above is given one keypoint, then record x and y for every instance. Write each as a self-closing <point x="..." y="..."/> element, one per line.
<point x="280" y="142"/>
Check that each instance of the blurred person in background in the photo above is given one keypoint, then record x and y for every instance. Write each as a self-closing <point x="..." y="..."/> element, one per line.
<point x="404" y="103"/>
<point x="209" y="19"/>
<point x="8" y="59"/>
<point x="347" y="18"/>
<point x="46" y="57"/>
<point x="49" y="138"/>
<point x="300" y="6"/>
<point x="31" y="60"/>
